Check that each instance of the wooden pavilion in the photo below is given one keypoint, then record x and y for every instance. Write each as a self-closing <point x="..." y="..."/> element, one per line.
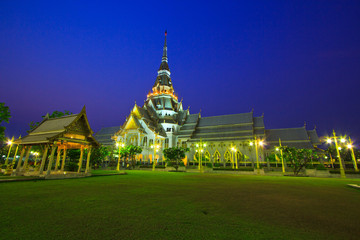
<point x="57" y="134"/>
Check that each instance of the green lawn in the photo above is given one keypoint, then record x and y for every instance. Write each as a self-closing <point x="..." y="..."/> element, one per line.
<point x="161" y="205"/>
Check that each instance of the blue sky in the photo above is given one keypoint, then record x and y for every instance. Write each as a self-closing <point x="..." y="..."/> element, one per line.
<point x="294" y="61"/>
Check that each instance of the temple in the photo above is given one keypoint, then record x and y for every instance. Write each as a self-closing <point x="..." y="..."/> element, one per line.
<point x="162" y="123"/>
<point x="56" y="136"/>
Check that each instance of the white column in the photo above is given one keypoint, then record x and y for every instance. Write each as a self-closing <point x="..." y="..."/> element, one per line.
<point x="87" y="169"/>
<point x="20" y="160"/>
<point x="43" y="159"/>
<point x="81" y="158"/>
<point x="26" y="158"/>
<point x="57" y="159"/>
<point x="53" y="148"/>
<point x="63" y="160"/>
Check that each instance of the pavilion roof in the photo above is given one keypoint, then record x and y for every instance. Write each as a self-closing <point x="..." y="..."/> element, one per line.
<point x="50" y="129"/>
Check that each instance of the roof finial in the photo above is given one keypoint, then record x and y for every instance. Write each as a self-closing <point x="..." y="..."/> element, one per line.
<point x="164" y="57"/>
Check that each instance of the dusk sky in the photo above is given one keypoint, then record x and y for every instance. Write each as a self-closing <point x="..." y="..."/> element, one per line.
<point x="294" y="61"/>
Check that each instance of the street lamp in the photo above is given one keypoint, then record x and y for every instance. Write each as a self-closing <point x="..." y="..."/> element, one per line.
<point x="257" y="143"/>
<point x="9" y="142"/>
<point x="119" y="145"/>
<point x="233" y="149"/>
<point x="156" y="148"/>
<point x="36" y="154"/>
<point x="338" y="148"/>
<point x="351" y="147"/>
<point x="200" y="149"/>
<point x="281" y="154"/>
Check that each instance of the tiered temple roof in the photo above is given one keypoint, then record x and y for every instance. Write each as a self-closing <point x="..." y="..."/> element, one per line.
<point x="73" y="128"/>
<point x="222" y="128"/>
<point x="162" y="107"/>
<point x="104" y="135"/>
<point x="292" y="137"/>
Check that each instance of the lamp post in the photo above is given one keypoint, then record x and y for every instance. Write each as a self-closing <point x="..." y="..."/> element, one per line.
<point x="342" y="140"/>
<point x="119" y="145"/>
<point x="257" y="143"/>
<point x="156" y="148"/>
<point x="233" y="149"/>
<point x="36" y="154"/>
<point x="10" y="142"/>
<point x="351" y="147"/>
<point x="282" y="157"/>
<point x="200" y="149"/>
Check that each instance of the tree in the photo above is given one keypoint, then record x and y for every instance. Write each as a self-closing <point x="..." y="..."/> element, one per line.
<point x="97" y="155"/>
<point x="72" y="156"/>
<point x="344" y="152"/>
<point x="124" y="154"/>
<point x="174" y="155"/>
<point x="54" y="114"/>
<point x="298" y="158"/>
<point x="4" y="117"/>
<point x="132" y="151"/>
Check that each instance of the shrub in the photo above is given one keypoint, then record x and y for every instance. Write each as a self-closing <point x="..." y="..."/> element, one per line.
<point x="217" y="165"/>
<point x="321" y="167"/>
<point x="337" y="171"/>
<point x="182" y="164"/>
<point x="209" y="165"/>
<point x="145" y="166"/>
<point x="247" y="169"/>
<point x="191" y="167"/>
<point x="71" y="166"/>
<point x="250" y="169"/>
<point x="310" y="166"/>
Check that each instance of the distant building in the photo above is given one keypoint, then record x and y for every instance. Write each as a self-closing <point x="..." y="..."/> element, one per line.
<point x="104" y="135"/>
<point x="162" y="120"/>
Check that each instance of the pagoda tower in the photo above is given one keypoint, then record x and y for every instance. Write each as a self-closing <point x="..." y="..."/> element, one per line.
<point x="163" y="99"/>
<point x="159" y="119"/>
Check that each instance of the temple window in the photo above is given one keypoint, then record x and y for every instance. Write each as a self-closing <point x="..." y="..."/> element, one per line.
<point x="145" y="141"/>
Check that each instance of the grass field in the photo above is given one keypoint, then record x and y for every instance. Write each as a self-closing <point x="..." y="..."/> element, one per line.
<point x="161" y="205"/>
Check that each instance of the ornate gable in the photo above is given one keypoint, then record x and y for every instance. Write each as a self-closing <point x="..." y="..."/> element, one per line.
<point x="79" y="127"/>
<point x="136" y="111"/>
<point x="132" y="123"/>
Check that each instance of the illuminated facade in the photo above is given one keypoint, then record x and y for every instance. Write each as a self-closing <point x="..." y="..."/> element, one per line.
<point x="237" y="137"/>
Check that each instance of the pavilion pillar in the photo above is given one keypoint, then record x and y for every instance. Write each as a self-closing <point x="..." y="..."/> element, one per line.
<point x="63" y="160"/>
<point x="26" y="158"/>
<point x="87" y="169"/>
<point x="20" y="160"/>
<point x="53" y="148"/>
<point x="58" y="159"/>
<point x="139" y="139"/>
<point x="81" y="158"/>
<point x="43" y="160"/>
